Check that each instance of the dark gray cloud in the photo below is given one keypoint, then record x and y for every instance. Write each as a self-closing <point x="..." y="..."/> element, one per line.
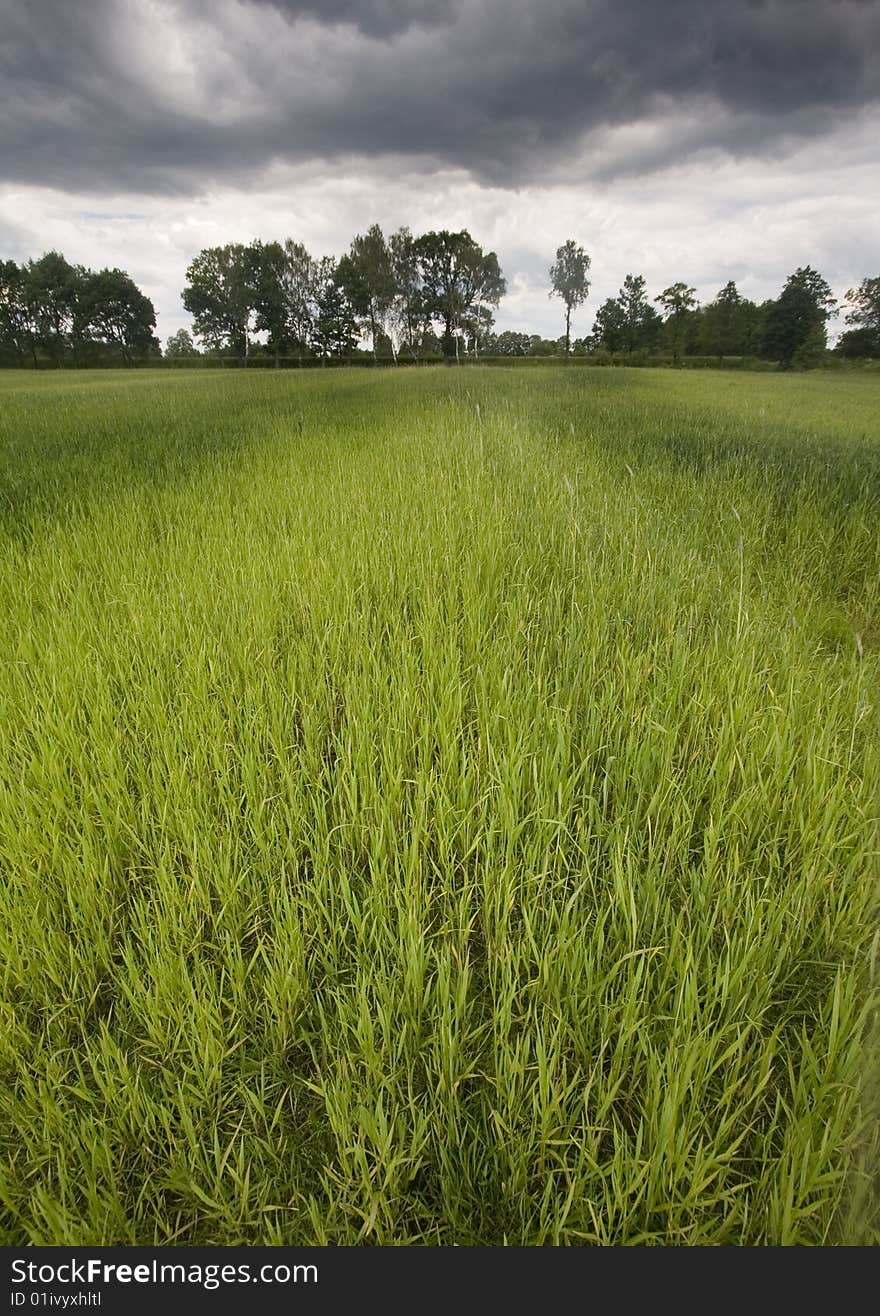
<point x="176" y="96"/>
<point x="378" y="18"/>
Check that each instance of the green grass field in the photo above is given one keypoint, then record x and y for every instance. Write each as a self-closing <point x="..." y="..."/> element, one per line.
<point x="439" y="807"/>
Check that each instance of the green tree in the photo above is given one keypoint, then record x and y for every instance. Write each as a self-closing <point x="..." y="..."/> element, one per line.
<point x="406" y="322"/>
<point x="220" y="296"/>
<point x="53" y="289"/>
<point x="752" y="327"/>
<point x="609" y="328"/>
<point x="864" y="318"/>
<point x="795" y="324"/>
<point x="627" y="322"/>
<point x="300" y="283"/>
<point x="16" y="327"/>
<point x="267" y="264"/>
<point x="509" y="343"/>
<point x="478" y="328"/>
<point x="678" y="302"/>
<point x="858" y="345"/>
<point x="180" y="346"/>
<point x="640" y="323"/>
<point x="64" y="311"/>
<point x="334" y="329"/>
<point x="568" y="278"/>
<point x="457" y="278"/>
<point x="366" y="275"/>
<point x="112" y="310"/>
<point x="725" y="326"/>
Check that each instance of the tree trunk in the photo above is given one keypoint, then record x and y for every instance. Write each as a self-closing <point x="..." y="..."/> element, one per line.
<point x="567" y="329"/>
<point x="447" y="338"/>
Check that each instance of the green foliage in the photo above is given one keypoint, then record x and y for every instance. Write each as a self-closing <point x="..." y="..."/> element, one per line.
<point x="864" y="316"/>
<point x="220" y="296"/>
<point x="860" y="344"/>
<point x="334" y="333"/>
<point x="539" y="346"/>
<point x="397" y="288"/>
<point x="113" y="309"/>
<point x="299" y="288"/>
<point x="608" y="329"/>
<point x="367" y="277"/>
<point x="53" y="289"/>
<point x="52" y="310"/>
<point x="236" y="293"/>
<point x="180" y="345"/>
<point x="794" y="325"/>
<point x="627" y="323"/>
<point x="16" y="324"/>
<point x="569" y="281"/>
<point x="679" y="303"/>
<point x="457" y="278"/>
<point x="438" y="810"/>
<point x="640" y="323"/>
<point x="728" y="326"/>
<point x="811" y="350"/>
<point x="269" y="285"/>
<point x="509" y="343"/>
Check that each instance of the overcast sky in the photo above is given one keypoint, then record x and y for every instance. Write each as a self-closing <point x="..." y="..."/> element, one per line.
<point x="701" y="140"/>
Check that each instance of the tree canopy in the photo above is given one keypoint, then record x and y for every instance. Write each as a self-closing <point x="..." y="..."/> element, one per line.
<point x="221" y="295"/>
<point x="58" y="313"/>
<point x="366" y="275"/>
<point x="863" y="317"/>
<point x="728" y="324"/>
<point x="180" y="345"/>
<point x="628" y="322"/>
<point x="458" y="279"/>
<point x="795" y="324"/>
<point x="568" y="279"/>
<point x="677" y="301"/>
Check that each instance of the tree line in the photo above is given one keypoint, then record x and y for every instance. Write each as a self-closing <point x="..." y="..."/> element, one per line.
<point x="790" y="329"/>
<point x="401" y="293"/>
<point x="56" y="313"/>
<point x="422" y="297"/>
<point x="436" y="294"/>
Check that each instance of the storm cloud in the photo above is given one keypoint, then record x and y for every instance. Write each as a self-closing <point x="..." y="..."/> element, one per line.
<point x="704" y="140"/>
<point x="380" y="18"/>
<point x="175" y="97"/>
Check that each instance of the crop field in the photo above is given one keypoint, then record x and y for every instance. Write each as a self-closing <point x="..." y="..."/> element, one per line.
<point x="439" y="806"/>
